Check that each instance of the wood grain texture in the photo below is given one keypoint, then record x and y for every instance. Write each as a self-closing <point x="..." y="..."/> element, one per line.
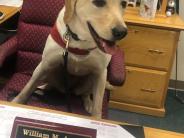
<point x="149" y="47"/>
<point x="8" y="11"/>
<point x="160" y="112"/>
<point x="147" y="71"/>
<point x="142" y="87"/>
<point x="156" y="133"/>
<point x="170" y="68"/>
<point x="163" y="8"/>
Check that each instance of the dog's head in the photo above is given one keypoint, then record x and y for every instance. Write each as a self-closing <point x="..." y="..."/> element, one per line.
<point x="101" y="20"/>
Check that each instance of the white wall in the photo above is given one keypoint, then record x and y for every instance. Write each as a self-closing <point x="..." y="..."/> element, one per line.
<point x="180" y="50"/>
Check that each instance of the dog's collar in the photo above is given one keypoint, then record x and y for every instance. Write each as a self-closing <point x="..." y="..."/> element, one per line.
<point x="57" y="37"/>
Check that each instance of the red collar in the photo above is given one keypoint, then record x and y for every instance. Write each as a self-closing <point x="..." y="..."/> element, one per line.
<point x="57" y="37"/>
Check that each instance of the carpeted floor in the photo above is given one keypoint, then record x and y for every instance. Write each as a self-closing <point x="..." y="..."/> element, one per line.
<point x="173" y="121"/>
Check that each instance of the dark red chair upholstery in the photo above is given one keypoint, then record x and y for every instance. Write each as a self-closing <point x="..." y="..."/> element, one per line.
<point x="36" y="19"/>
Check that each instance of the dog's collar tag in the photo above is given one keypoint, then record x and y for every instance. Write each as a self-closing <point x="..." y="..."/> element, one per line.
<point x="66" y="37"/>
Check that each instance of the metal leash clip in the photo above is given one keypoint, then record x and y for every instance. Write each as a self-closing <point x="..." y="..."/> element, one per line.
<point x="66" y="37"/>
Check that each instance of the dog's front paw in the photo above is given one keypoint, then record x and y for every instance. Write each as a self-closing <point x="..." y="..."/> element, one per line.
<point x="108" y="86"/>
<point x="88" y="104"/>
<point x="97" y="115"/>
<point x="18" y="100"/>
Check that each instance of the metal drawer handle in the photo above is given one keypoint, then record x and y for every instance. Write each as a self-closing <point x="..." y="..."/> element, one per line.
<point x="136" y="31"/>
<point x="148" y="90"/>
<point x="156" y="51"/>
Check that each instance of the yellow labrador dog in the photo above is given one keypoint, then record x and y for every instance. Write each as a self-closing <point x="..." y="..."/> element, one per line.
<point x="91" y="28"/>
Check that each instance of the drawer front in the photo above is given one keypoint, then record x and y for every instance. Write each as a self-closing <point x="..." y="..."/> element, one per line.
<point x="142" y="87"/>
<point x="147" y="47"/>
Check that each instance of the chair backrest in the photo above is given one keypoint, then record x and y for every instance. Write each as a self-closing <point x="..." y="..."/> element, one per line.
<point x="37" y="16"/>
<point x="36" y="19"/>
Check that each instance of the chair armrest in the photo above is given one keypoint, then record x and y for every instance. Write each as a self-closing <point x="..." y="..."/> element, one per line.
<point x="7" y="49"/>
<point x="116" y="69"/>
<point x="7" y="30"/>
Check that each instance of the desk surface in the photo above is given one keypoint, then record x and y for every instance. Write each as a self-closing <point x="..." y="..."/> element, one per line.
<point x="8" y="11"/>
<point x="149" y="132"/>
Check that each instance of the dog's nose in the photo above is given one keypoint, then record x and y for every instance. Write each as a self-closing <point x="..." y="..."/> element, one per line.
<point x="119" y="33"/>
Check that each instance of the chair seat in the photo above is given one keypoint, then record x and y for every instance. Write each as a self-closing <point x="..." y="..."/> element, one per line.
<point x="25" y="49"/>
<point x="51" y="99"/>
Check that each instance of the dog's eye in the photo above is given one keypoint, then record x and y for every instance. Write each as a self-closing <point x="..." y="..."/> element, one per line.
<point x="123" y="4"/>
<point x="99" y="3"/>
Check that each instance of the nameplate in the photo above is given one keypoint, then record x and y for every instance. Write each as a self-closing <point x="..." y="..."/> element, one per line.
<point x="30" y="128"/>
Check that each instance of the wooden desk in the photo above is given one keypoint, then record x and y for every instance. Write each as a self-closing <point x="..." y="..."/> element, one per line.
<point x="9" y="12"/>
<point x="157" y="133"/>
<point x="149" y="132"/>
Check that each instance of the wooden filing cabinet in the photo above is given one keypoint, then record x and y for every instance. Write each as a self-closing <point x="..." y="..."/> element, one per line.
<point x="149" y="53"/>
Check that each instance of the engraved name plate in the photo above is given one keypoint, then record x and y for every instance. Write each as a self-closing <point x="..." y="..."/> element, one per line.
<point x="30" y="128"/>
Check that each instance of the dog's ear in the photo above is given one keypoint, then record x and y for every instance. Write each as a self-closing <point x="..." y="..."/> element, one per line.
<point x="69" y="10"/>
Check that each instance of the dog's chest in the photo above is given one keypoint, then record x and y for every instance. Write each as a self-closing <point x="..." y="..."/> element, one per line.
<point x="95" y="62"/>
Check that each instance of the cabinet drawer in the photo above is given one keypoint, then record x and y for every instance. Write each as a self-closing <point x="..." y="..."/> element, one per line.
<point x="142" y="87"/>
<point x="147" y="47"/>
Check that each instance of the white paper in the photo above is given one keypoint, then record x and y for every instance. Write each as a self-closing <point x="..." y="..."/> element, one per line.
<point x="14" y="3"/>
<point x="104" y="130"/>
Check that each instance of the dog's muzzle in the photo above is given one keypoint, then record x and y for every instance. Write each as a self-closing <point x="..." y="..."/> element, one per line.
<point x="106" y="46"/>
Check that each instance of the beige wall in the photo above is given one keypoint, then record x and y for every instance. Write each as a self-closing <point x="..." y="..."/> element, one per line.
<point x="180" y="50"/>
